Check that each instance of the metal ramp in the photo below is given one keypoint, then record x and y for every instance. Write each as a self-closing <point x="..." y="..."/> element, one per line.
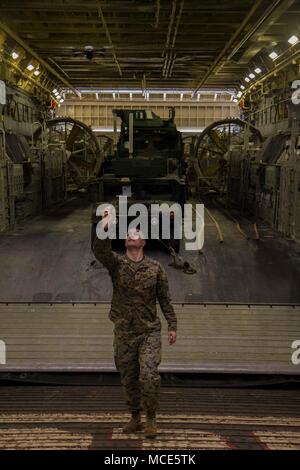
<point x="212" y="338"/>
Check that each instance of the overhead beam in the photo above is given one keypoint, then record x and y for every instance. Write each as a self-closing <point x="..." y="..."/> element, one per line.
<point x="124" y="6"/>
<point x="48" y="67"/>
<point x="227" y="19"/>
<point x="100" y="13"/>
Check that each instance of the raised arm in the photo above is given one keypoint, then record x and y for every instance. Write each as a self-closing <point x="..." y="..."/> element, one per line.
<point x="103" y="251"/>
<point x="163" y="295"/>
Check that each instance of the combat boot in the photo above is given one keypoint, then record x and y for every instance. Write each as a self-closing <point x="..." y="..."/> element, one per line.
<point x="135" y="424"/>
<point x="150" y="428"/>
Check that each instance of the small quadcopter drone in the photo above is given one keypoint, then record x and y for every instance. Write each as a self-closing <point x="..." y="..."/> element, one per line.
<point x="89" y="52"/>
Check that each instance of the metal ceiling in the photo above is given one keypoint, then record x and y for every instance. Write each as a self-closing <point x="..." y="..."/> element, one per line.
<point x="191" y="44"/>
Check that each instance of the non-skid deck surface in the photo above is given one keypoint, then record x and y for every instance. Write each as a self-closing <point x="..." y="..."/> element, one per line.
<point x="49" y="259"/>
<point x="92" y="418"/>
<point x="211" y="338"/>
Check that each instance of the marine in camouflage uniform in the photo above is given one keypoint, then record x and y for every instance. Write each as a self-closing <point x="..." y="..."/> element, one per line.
<point x="137" y="330"/>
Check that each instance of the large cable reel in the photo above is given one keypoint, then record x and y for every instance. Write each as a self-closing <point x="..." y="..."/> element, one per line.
<point x="83" y="153"/>
<point x="213" y="146"/>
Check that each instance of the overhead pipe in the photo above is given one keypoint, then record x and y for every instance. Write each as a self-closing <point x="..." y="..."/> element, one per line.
<point x="100" y="13"/>
<point x="173" y="55"/>
<point x="170" y="26"/>
<point x="177" y="23"/>
<point x="56" y="65"/>
<point x="166" y="64"/>
<point x="170" y="65"/>
<point x="169" y="47"/>
<point x="157" y="14"/>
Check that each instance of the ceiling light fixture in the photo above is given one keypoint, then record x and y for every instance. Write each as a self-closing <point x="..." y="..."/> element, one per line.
<point x="30" y="67"/>
<point x="273" y="55"/>
<point x="257" y="70"/>
<point x="14" y="55"/>
<point x="247" y="79"/>
<point x="251" y="75"/>
<point x="293" y="40"/>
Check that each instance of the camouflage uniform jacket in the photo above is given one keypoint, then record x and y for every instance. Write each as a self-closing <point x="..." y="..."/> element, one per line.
<point x="136" y="285"/>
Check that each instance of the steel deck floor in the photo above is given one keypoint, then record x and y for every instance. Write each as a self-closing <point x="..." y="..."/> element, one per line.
<point x="49" y="259"/>
<point x="92" y="418"/>
<point x="211" y="338"/>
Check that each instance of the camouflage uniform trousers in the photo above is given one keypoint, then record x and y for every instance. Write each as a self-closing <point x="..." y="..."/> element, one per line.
<point x="137" y="358"/>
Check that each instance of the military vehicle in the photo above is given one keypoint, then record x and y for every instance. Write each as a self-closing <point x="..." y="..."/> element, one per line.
<point x="147" y="166"/>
